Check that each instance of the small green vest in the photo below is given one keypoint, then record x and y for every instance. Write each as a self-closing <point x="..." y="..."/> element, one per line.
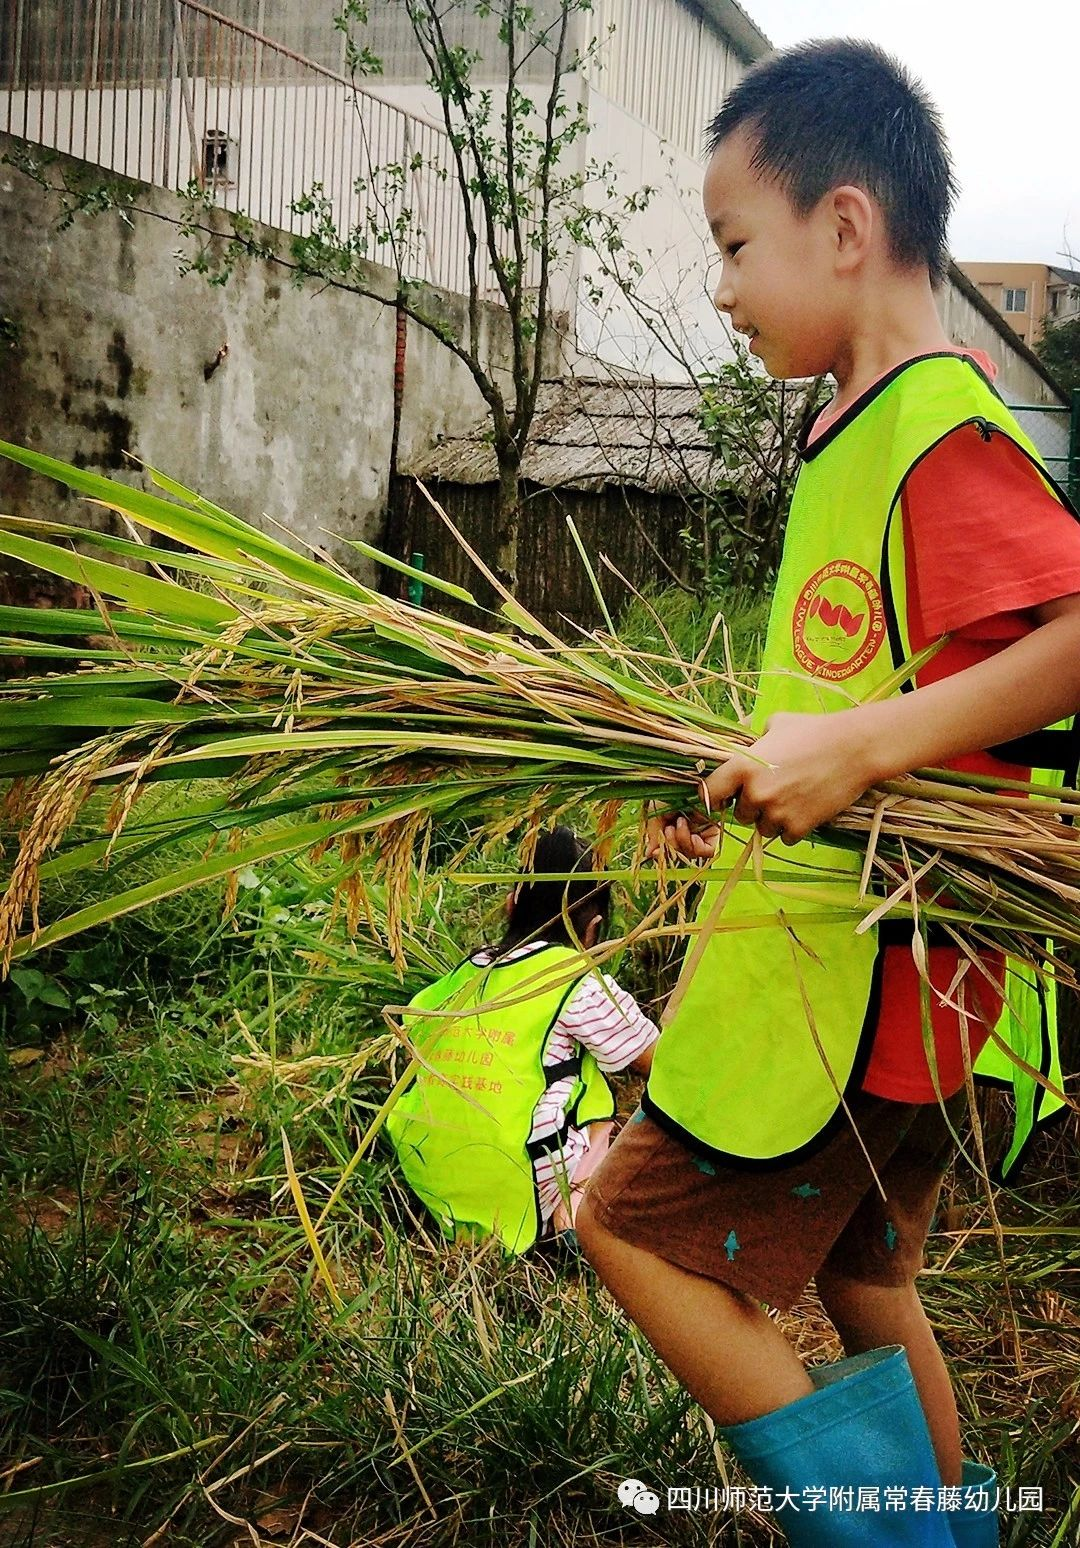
<point x="777" y="1017"/>
<point x="461" y="1129"/>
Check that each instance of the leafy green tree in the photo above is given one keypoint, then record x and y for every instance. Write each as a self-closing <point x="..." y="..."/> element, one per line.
<point x="1059" y="350"/>
<point x="754" y="425"/>
<point x="518" y="185"/>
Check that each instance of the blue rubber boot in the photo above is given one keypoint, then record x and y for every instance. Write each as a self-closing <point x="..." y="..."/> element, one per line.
<point x="975" y="1524"/>
<point x="862" y="1429"/>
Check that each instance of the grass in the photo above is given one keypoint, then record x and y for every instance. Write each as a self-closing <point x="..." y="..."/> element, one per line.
<point x="157" y="1295"/>
<point x="175" y="1372"/>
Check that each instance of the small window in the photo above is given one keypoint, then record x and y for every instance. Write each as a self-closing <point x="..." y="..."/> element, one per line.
<point x="1015" y="301"/>
<point x="217" y="158"/>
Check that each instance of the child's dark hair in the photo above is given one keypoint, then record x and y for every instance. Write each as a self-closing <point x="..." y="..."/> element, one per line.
<point x="537" y="913"/>
<point x="842" y="111"/>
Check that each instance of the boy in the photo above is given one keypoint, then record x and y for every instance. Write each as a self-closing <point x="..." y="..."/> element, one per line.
<point x="791" y="1128"/>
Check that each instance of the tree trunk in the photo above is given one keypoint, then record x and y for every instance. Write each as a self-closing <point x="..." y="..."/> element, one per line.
<point x="506" y="542"/>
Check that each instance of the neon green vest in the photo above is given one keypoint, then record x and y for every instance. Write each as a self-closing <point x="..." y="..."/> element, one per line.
<point x="461" y="1129"/>
<point x="778" y="1015"/>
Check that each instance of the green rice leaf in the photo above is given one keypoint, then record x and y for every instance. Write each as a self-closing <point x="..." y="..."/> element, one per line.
<point x="115" y="580"/>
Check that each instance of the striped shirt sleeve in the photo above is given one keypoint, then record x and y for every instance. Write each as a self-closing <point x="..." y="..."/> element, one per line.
<point x="605" y="1020"/>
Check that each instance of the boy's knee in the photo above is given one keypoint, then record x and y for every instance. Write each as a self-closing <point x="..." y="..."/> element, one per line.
<point x="837" y="1290"/>
<point x="852" y="1304"/>
<point x="607" y="1254"/>
<point x="590" y="1232"/>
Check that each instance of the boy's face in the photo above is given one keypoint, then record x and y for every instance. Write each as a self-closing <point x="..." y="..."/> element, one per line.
<point x="778" y="283"/>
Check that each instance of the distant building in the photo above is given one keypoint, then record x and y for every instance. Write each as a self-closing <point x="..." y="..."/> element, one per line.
<point x="1029" y="295"/>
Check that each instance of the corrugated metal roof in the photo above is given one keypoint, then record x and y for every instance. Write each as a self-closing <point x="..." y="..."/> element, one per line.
<point x="587" y="434"/>
<point x="743" y="31"/>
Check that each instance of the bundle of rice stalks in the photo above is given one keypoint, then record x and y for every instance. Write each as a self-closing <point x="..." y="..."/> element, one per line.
<point x="335" y="718"/>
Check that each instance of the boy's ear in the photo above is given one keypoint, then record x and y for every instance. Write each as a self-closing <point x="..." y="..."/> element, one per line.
<point x="511" y="899"/>
<point x="854" y="223"/>
<point x="592" y="931"/>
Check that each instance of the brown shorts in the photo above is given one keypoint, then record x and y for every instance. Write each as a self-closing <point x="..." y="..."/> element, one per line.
<point x="767" y="1233"/>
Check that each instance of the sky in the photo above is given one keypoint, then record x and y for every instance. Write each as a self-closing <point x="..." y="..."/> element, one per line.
<point x="1005" y="75"/>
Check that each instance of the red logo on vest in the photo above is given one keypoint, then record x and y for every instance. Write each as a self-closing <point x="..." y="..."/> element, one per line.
<point x="838" y="624"/>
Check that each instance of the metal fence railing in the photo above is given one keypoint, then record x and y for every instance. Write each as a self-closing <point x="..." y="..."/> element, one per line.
<point x="1055" y="429"/>
<point x="171" y="93"/>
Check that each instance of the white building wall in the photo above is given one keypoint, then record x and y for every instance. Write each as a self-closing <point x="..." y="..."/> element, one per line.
<point x="659" y="75"/>
<point x="663" y="63"/>
<point x="290" y="127"/>
<point x="283" y="140"/>
<point x="664" y="323"/>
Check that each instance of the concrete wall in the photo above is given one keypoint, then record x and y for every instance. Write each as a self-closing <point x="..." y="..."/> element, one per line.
<point x="1020" y="379"/>
<point x="113" y="351"/>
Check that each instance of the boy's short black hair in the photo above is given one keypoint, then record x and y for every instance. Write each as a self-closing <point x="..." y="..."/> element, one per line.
<point x="842" y="111"/>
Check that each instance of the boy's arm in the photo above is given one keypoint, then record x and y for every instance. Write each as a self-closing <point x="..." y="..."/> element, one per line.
<point x="819" y="764"/>
<point x="643" y="1061"/>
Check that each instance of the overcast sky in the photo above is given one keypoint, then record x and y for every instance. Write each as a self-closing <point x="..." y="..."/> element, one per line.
<point x="1007" y="79"/>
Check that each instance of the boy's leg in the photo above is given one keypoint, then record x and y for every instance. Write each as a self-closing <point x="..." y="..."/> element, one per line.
<point x="690" y="1248"/>
<point x="867" y="1281"/>
<point x="599" y="1132"/>
<point x="742" y="1238"/>
<point x="871" y="1316"/>
<point x="725" y="1350"/>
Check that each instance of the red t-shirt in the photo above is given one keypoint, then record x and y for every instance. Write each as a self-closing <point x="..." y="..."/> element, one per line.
<point x="985" y="543"/>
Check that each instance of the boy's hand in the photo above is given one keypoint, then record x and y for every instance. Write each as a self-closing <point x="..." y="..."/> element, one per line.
<point x="814" y="767"/>
<point x="692" y="835"/>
